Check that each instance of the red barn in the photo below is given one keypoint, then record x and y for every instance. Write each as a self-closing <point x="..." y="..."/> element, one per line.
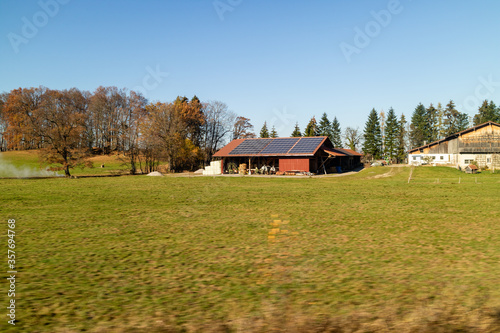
<point x="304" y="154"/>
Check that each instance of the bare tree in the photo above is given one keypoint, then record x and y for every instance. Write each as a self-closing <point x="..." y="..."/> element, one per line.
<point x="353" y="137"/>
<point x="219" y="122"/>
<point x="242" y="128"/>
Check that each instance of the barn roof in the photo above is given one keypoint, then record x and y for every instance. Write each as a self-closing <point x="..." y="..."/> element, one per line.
<point x="301" y="146"/>
<point x="455" y="135"/>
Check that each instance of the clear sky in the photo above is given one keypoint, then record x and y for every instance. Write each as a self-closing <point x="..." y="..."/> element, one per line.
<point x="274" y="61"/>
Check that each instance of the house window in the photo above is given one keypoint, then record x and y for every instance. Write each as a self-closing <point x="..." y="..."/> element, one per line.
<point x="468" y="161"/>
<point x="441" y="157"/>
<point x="414" y="158"/>
<point x="488" y="160"/>
<point x="433" y="157"/>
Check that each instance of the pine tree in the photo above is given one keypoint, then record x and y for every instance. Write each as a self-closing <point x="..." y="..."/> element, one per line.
<point x="336" y="133"/>
<point x="454" y="121"/>
<point x="273" y="133"/>
<point x="440" y="122"/>
<point x="402" y="135"/>
<point x="382" y="128"/>
<point x="431" y="126"/>
<point x="264" y="133"/>
<point x="311" y="128"/>
<point x="418" y="126"/>
<point x="324" y="127"/>
<point x="296" y="132"/>
<point x="391" y="135"/>
<point x="487" y="112"/>
<point x="373" y="136"/>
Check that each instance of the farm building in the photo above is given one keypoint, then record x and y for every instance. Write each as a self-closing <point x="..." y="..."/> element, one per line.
<point x="307" y="154"/>
<point x="480" y="144"/>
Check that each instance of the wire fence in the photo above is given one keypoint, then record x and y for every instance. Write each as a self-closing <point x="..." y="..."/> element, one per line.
<point x="454" y="180"/>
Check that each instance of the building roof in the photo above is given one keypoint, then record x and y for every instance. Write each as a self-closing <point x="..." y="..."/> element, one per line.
<point x="455" y="135"/>
<point x="472" y="167"/>
<point x="341" y="152"/>
<point x="229" y="147"/>
<point x="301" y="146"/>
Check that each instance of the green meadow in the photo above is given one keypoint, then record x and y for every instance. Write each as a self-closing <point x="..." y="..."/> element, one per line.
<point x="367" y="252"/>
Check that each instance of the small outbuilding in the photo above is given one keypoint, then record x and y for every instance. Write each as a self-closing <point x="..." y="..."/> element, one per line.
<point x="303" y="154"/>
<point x="471" y="168"/>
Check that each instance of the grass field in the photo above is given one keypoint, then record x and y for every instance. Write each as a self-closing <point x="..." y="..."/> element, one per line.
<point x="26" y="163"/>
<point x="361" y="253"/>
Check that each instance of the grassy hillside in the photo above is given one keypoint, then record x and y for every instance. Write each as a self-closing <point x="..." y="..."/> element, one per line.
<point x="27" y="163"/>
<point x="361" y="253"/>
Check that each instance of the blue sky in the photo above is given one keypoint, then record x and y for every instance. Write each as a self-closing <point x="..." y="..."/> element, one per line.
<point x="274" y="61"/>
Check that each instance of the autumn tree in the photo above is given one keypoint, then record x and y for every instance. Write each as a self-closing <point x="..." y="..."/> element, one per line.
<point x="19" y="106"/>
<point x="242" y="128"/>
<point x="296" y="132"/>
<point x="55" y="119"/>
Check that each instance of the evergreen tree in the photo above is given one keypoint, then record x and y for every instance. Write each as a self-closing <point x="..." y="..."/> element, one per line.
<point x="273" y="133"/>
<point x="296" y="132"/>
<point x="373" y="136"/>
<point x="311" y="128"/>
<point x="454" y="121"/>
<point x="431" y="126"/>
<point x="264" y="133"/>
<point x="487" y="112"/>
<point x="440" y="122"/>
<point x="402" y="135"/>
<point x="418" y="126"/>
<point x="336" y="133"/>
<point x="391" y="135"/>
<point x="324" y="127"/>
<point x="382" y="128"/>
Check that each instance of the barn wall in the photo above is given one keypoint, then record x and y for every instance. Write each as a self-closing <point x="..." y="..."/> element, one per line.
<point x="288" y="164"/>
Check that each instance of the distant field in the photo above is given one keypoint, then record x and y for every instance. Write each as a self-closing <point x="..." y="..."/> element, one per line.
<point x="361" y="253"/>
<point x="27" y="163"/>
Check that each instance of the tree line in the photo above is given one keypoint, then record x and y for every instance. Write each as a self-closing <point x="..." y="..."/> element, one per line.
<point x="68" y="126"/>
<point x="390" y="137"/>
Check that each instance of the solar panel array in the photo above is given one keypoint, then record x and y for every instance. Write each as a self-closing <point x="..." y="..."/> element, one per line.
<point x="306" y="146"/>
<point x="280" y="146"/>
<point x="277" y="146"/>
<point x="250" y="147"/>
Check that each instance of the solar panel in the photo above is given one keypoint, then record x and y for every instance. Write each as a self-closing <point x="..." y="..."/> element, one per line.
<point x="279" y="146"/>
<point x="306" y="146"/>
<point x="250" y="147"/>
